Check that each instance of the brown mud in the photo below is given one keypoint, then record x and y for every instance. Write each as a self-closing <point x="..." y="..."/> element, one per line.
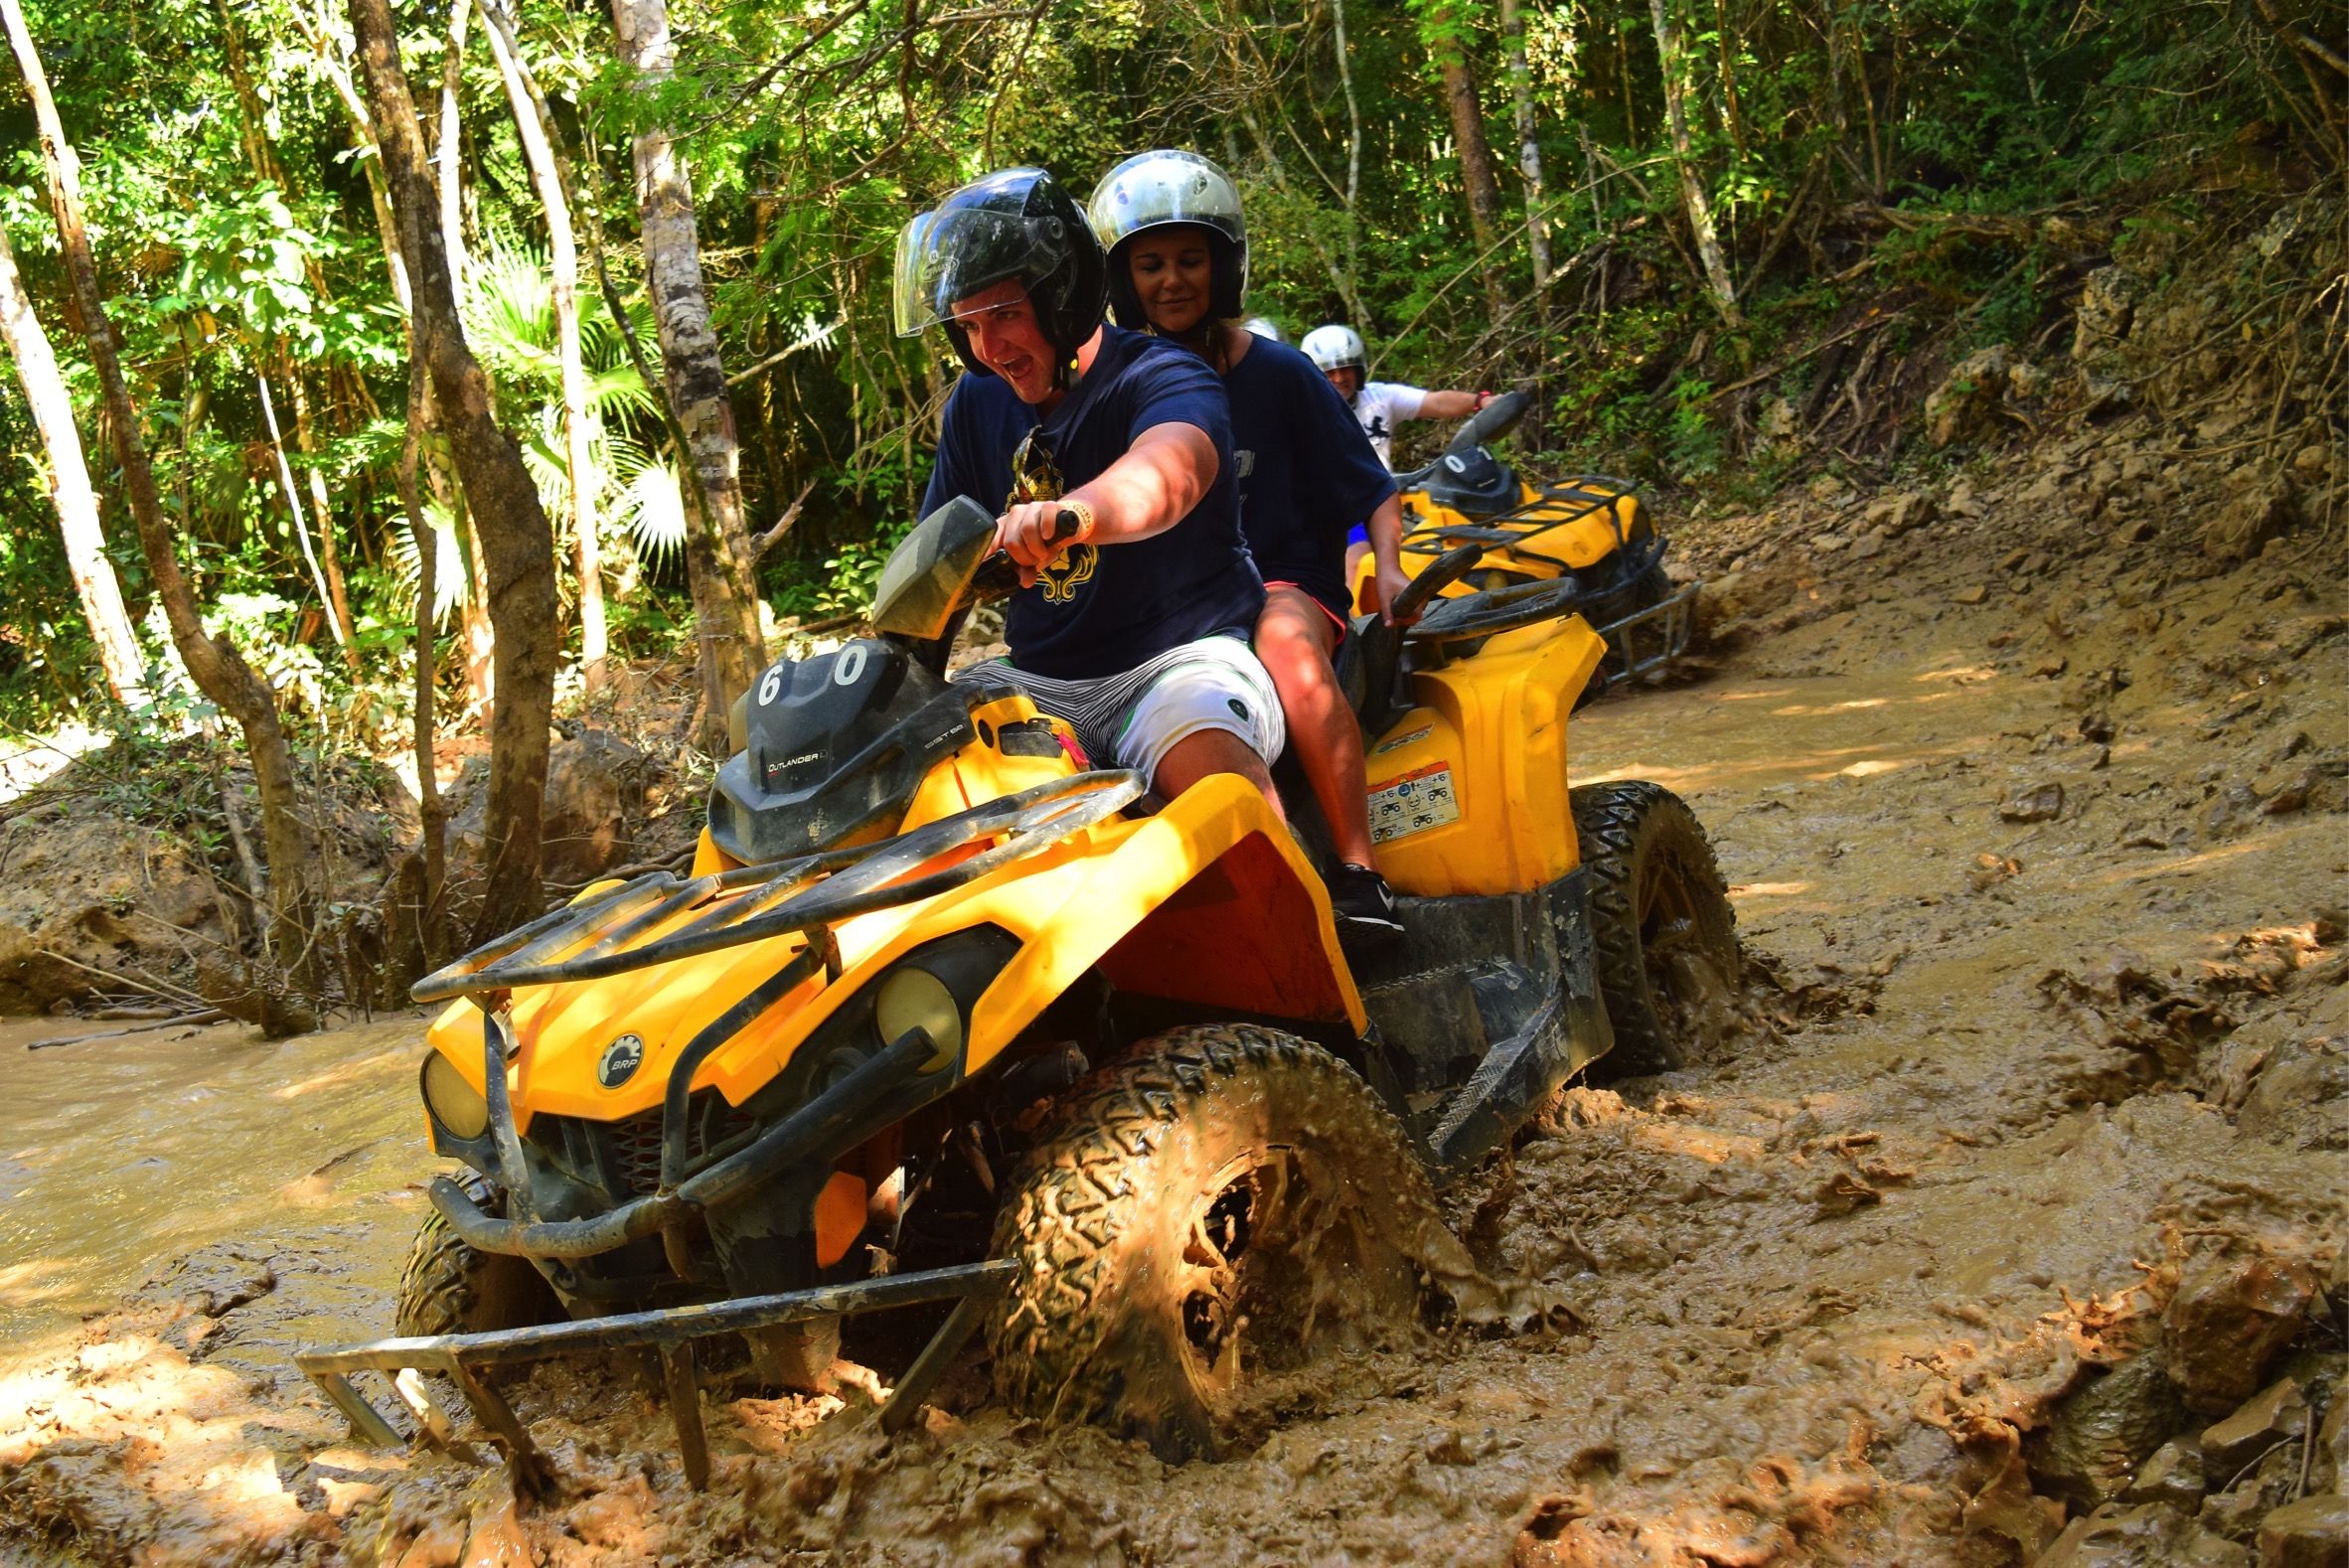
<point x="2038" y="857"/>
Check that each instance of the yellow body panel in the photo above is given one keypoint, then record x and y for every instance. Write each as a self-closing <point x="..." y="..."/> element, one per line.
<point x="1216" y="860"/>
<point x="1467" y="791"/>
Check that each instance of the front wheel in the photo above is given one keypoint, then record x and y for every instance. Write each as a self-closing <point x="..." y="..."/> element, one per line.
<point x="1218" y="1207"/>
<point x="452" y="1287"/>
<point x="1668" y="955"/>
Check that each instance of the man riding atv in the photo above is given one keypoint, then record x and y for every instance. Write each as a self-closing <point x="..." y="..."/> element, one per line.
<point x="1135" y="628"/>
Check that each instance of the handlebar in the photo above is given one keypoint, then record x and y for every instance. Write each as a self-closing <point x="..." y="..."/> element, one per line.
<point x="1490" y="422"/>
<point x="1448" y="568"/>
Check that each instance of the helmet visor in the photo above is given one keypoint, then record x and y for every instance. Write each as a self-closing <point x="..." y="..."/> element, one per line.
<point x="950" y="255"/>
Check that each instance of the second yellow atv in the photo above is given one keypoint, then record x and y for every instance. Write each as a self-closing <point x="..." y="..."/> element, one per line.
<point x="942" y="1016"/>
<point x="1587" y="529"/>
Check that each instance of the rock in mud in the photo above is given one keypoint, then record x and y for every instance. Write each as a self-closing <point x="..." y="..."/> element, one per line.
<point x="2232" y="1314"/>
<point x="2246" y="523"/>
<point x="2107" y="309"/>
<point x="2311" y="1533"/>
<point x="2277" y="1414"/>
<point x="595" y="799"/>
<point x="2037" y="803"/>
<point x="2173" y="1475"/>
<point x="2101" y="1434"/>
<point x="2295" y="1093"/>
<point x="1892" y="516"/>
<point x="2142" y="1536"/>
<point x="1966" y="405"/>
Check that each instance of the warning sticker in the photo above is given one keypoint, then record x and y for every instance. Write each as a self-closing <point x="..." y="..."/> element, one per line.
<point x="1421" y="799"/>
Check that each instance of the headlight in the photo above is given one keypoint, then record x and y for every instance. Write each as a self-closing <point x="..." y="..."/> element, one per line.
<point x="911" y="997"/>
<point x="456" y="1104"/>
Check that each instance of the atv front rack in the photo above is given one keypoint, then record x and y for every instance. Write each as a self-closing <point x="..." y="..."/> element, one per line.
<point x="465" y="1358"/>
<point x="592" y="939"/>
<point x="1662" y="630"/>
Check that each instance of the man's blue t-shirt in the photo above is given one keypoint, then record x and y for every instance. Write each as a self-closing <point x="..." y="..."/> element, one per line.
<point x="1099" y="610"/>
<point x="1308" y="473"/>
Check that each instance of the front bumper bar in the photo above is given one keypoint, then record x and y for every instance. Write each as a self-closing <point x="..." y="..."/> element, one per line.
<point x="672" y="1331"/>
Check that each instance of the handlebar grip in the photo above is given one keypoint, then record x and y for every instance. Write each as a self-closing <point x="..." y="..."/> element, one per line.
<point x="1449" y="568"/>
<point x="1066" y="524"/>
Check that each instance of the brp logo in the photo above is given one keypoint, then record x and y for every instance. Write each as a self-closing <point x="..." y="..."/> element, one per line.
<point x="619" y="1061"/>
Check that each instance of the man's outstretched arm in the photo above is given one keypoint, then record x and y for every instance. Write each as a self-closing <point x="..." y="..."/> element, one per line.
<point x="1162" y="475"/>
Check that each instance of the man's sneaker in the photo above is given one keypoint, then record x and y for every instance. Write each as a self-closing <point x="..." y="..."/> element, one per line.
<point x="1364" y="903"/>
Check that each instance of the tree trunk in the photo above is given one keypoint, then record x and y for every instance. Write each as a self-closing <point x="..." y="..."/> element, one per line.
<point x="69" y="485"/>
<point x="451" y="154"/>
<point x="431" y="916"/>
<point x="214" y="663"/>
<point x="717" y="548"/>
<point x="1537" y="234"/>
<point x="1446" y="33"/>
<point x="518" y="546"/>
<point x="522" y="93"/>
<point x="329" y="549"/>
<point x="1692" y="190"/>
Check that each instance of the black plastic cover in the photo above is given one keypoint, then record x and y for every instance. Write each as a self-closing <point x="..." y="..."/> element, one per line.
<point x="835" y="746"/>
<point x="1473" y="483"/>
<point x="928" y="579"/>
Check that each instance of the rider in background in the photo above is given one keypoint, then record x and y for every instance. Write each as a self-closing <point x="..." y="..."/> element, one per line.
<point x="1177" y="266"/>
<point x="1338" y="353"/>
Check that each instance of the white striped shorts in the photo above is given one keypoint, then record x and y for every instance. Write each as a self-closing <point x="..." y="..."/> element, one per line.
<point x="1131" y="720"/>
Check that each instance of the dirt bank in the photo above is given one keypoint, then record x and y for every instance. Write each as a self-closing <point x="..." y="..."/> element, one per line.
<point x="2041" y="856"/>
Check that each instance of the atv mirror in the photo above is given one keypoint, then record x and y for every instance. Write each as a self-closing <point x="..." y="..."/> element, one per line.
<point x="927" y="579"/>
<point x="1495" y="421"/>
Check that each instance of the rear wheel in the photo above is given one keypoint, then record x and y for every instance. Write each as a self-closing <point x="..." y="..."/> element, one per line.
<point x="1666" y="939"/>
<point x="452" y="1287"/>
<point x="1217" y="1208"/>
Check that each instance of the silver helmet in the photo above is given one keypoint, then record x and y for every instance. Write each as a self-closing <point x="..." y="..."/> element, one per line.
<point x="1152" y="189"/>
<point x="1334" y="348"/>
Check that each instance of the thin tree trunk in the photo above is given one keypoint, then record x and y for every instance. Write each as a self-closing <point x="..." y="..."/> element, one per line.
<point x="293" y="507"/>
<point x="330" y="553"/>
<point x="717" y="550"/>
<point x="1444" y="31"/>
<point x="1353" y="143"/>
<point x="517" y="545"/>
<point x="69" y="485"/>
<point x="431" y="813"/>
<point x="1537" y="232"/>
<point x="214" y="663"/>
<point x="386" y="228"/>
<point x="451" y="154"/>
<point x="529" y="119"/>
<point x="1693" y="189"/>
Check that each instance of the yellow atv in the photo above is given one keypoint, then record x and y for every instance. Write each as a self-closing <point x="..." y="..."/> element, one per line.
<point x="941" y="1016"/>
<point x="1589" y="529"/>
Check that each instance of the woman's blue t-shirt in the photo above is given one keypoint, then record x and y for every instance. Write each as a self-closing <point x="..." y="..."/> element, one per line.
<point x="1308" y="473"/>
<point x="1100" y="610"/>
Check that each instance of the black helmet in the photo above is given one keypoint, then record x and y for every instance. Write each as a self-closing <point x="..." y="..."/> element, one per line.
<point x="1014" y="224"/>
<point x="1154" y="189"/>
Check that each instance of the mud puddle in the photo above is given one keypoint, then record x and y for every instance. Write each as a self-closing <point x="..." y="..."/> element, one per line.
<point x="2044" y="910"/>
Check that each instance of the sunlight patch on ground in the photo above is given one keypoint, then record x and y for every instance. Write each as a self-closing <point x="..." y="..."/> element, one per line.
<point x="44" y="758"/>
<point x="1738" y="894"/>
<point x="347" y="1074"/>
<point x="1963" y="675"/>
<point x="2203" y="861"/>
<point x="1870" y="769"/>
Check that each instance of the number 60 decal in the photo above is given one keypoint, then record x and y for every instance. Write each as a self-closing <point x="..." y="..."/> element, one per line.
<point x="771" y="684"/>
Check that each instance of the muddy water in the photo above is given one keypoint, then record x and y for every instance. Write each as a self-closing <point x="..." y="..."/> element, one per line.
<point x="2005" y="1081"/>
<point x="119" y="1156"/>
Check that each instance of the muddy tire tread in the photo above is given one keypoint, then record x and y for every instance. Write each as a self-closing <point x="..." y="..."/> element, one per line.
<point x="1612" y="820"/>
<point x="1062" y="1223"/>
<point x="439" y="1286"/>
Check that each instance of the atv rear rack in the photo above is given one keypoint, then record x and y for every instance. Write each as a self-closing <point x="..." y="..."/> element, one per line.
<point x="672" y="1331"/>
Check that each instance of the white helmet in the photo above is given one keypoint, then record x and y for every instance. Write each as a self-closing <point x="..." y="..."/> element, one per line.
<point x="1152" y="189"/>
<point x="1264" y="328"/>
<point x="1336" y="348"/>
